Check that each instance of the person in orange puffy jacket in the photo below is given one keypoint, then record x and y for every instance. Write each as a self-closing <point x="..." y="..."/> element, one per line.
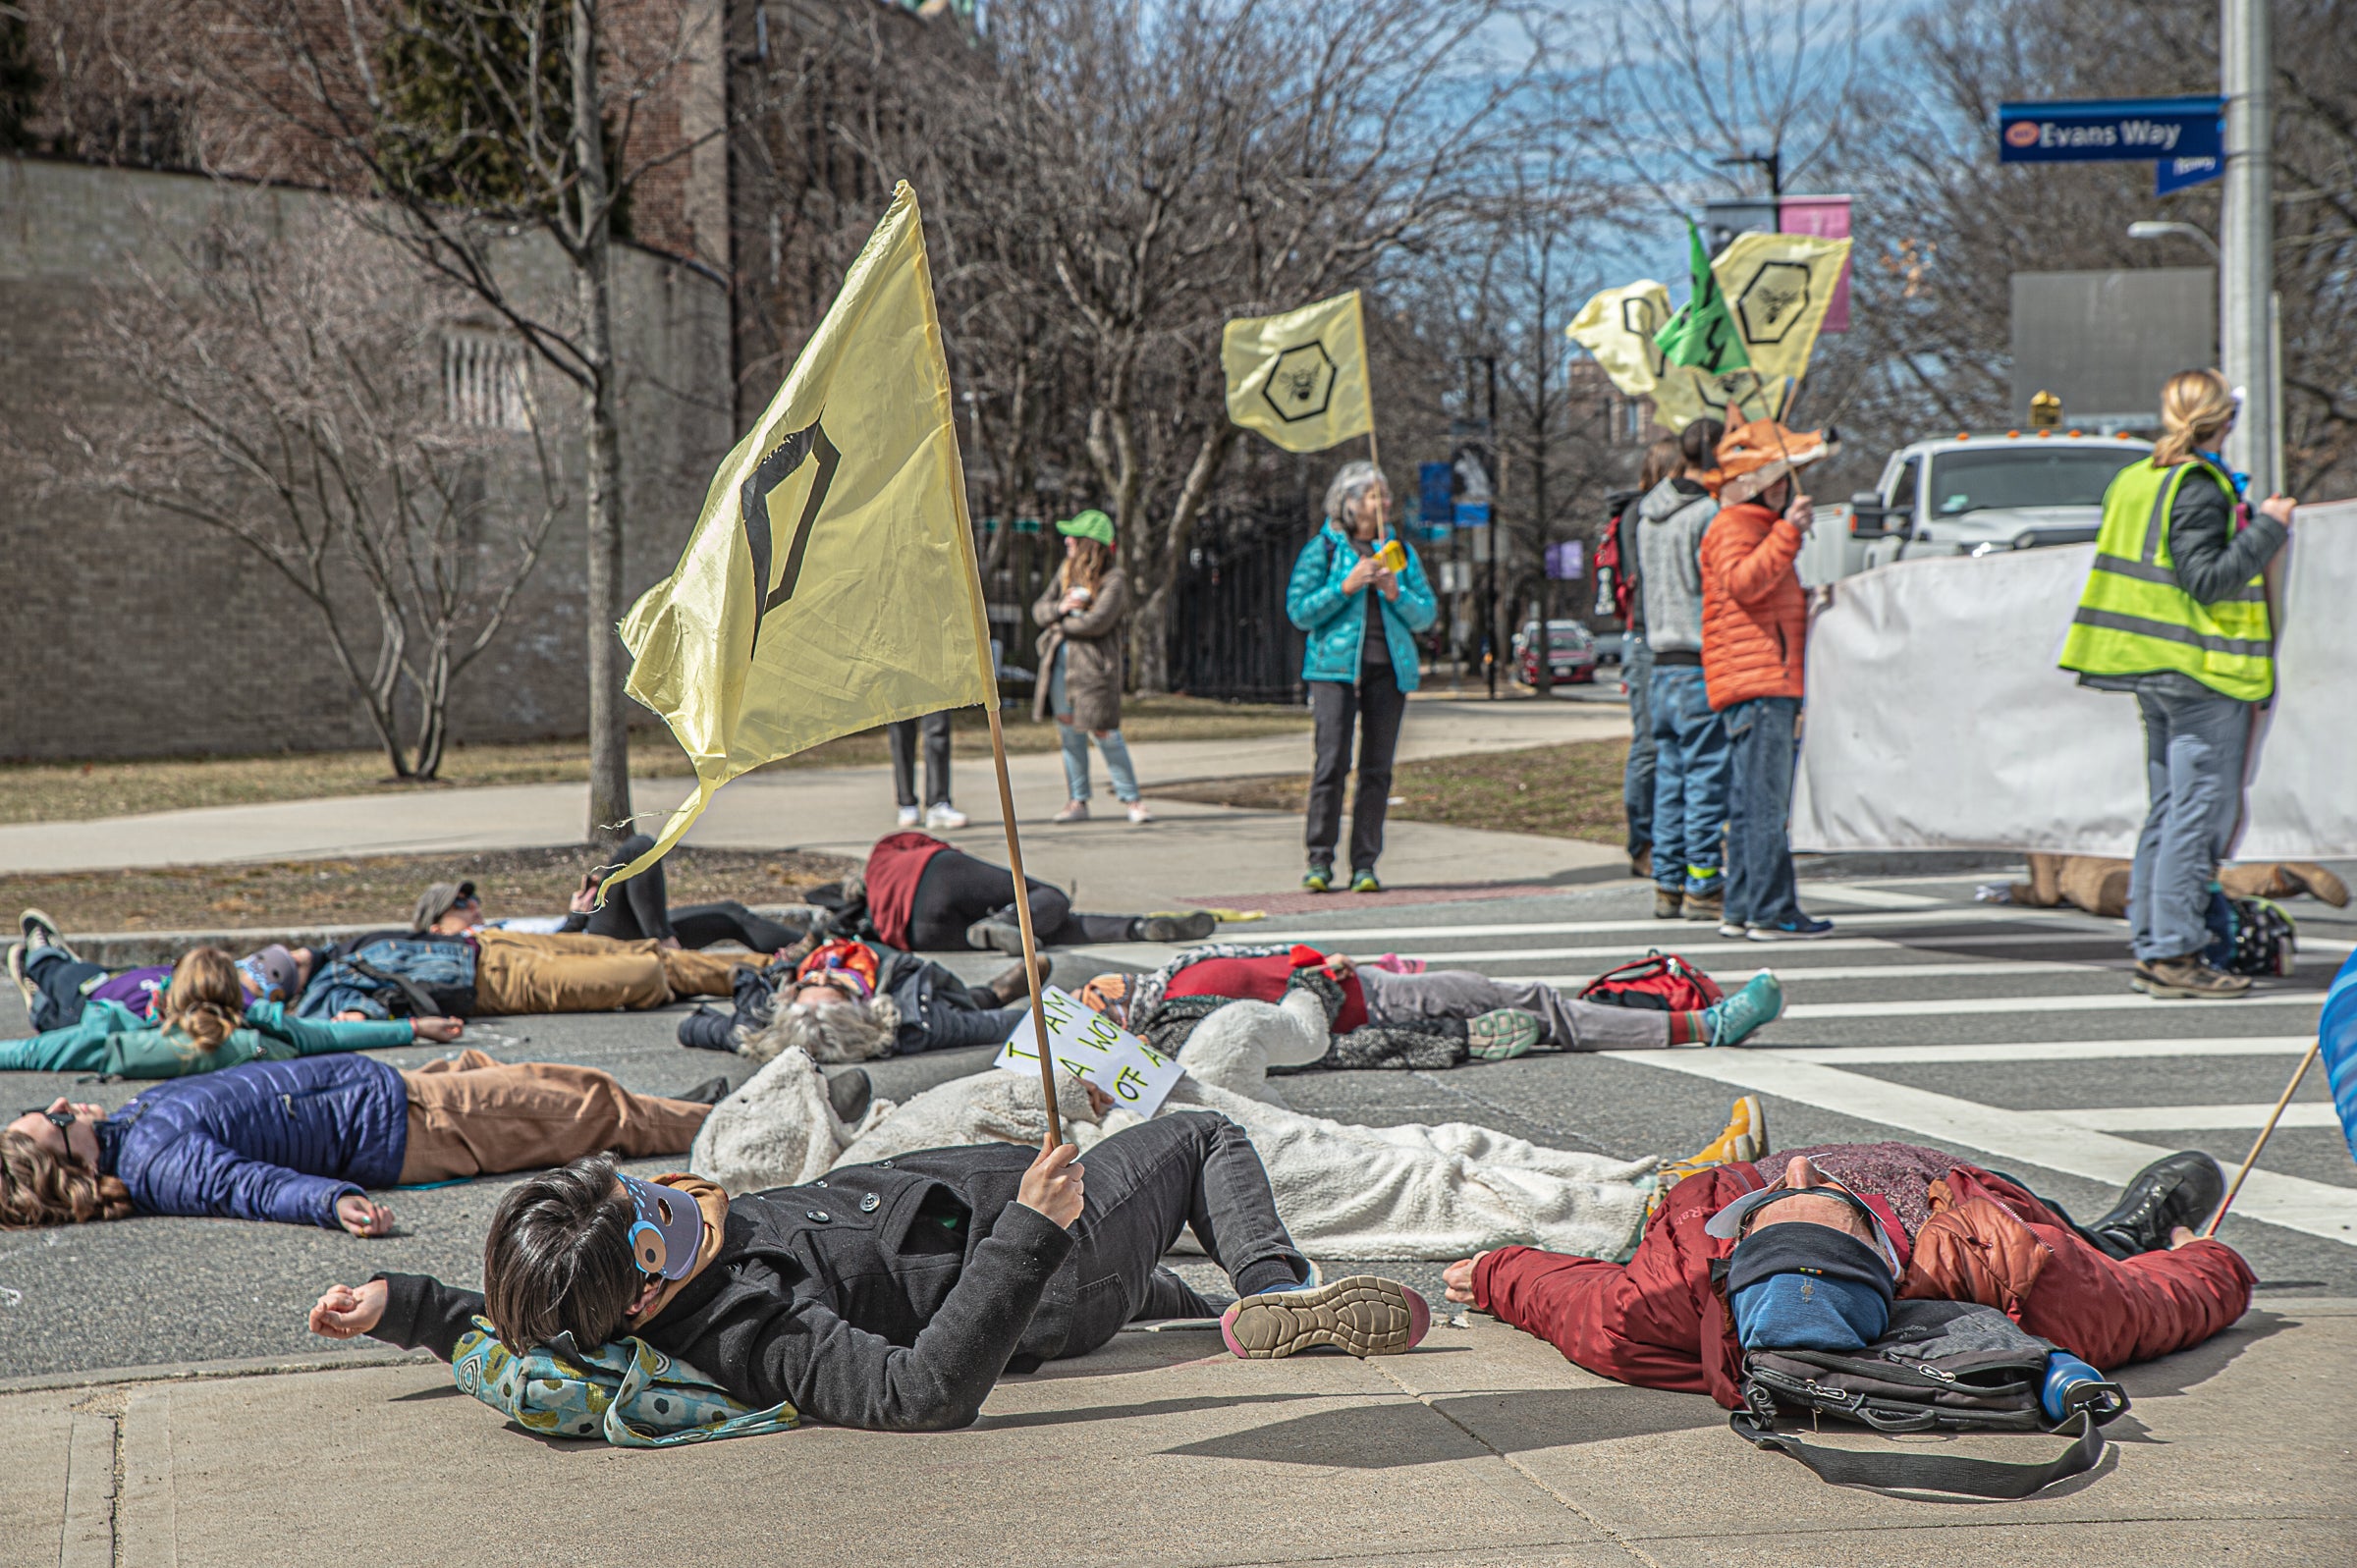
<point x="1754" y="628"/>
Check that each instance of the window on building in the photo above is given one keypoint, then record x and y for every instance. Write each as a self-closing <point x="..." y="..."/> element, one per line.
<point x="483" y="381"/>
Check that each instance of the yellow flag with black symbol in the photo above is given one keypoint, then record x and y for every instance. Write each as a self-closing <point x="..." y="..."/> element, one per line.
<point x="830" y="584"/>
<point x="1779" y="287"/>
<point x="1618" y="326"/>
<point x="1685" y="394"/>
<point x="1300" y="378"/>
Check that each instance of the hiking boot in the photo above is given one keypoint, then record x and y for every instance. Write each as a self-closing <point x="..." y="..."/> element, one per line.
<point x="1317" y="879"/>
<point x="941" y="814"/>
<point x="2179" y="1189"/>
<point x="16" y="972"/>
<point x="709" y="1029"/>
<point x="1501" y="1035"/>
<point x="1363" y="1315"/>
<point x="1192" y="926"/>
<point x="1073" y="811"/>
<point x="42" y="932"/>
<point x="1667" y="904"/>
<point x="1364" y="882"/>
<point x="848" y="1094"/>
<point x="2187" y="979"/>
<point x="711" y="1092"/>
<point x="1702" y="905"/>
<point x="1732" y="1019"/>
<point x="1009" y="987"/>
<point x="1744" y="1138"/>
<point x="1640" y="864"/>
<point x="993" y="935"/>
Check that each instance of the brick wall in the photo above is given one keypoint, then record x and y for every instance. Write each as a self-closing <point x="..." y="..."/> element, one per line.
<point x="132" y="634"/>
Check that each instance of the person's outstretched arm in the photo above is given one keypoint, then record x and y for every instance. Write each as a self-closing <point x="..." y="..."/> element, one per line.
<point x="412" y="1311"/>
<point x="208" y="1177"/>
<point x="313" y="1037"/>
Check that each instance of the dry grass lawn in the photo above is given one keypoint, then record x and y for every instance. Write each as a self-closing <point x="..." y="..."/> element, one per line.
<point x="1571" y="792"/>
<point x="76" y="792"/>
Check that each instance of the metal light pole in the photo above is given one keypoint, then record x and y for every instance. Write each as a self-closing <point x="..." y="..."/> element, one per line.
<point x="2246" y="237"/>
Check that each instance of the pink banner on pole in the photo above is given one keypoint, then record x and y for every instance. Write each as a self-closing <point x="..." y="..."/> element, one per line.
<point x="1827" y="218"/>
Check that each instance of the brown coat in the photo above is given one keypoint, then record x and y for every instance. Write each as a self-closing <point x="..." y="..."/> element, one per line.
<point x="1092" y="662"/>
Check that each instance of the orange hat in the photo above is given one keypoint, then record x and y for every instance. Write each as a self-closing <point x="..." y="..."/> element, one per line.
<point x="1756" y="454"/>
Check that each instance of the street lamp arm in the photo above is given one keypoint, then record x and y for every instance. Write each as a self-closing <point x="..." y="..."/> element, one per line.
<point x="2156" y="229"/>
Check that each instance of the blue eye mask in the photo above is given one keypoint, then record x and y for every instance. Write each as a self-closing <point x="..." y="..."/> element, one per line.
<point x="669" y="1229"/>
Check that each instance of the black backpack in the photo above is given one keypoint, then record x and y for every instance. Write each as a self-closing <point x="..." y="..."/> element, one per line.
<point x="1942" y="1366"/>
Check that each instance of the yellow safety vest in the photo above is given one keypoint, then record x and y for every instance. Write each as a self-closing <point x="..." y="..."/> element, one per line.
<point x="2135" y="619"/>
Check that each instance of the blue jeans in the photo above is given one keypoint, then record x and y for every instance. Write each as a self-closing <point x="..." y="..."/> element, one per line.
<point x="1689" y="782"/>
<point x="1762" y="735"/>
<point x="1076" y="746"/>
<point x="2193" y="753"/>
<point x="1637" y="779"/>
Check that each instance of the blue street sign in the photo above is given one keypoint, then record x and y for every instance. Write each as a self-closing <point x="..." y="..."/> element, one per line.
<point x="1436" y="493"/>
<point x="2110" y="130"/>
<point x="1472" y="514"/>
<point x="2177" y="174"/>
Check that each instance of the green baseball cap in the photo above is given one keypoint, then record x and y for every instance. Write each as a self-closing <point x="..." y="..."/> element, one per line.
<point x="1090" y="524"/>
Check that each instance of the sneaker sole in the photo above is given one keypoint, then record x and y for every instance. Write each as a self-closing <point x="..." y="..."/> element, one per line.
<point x="1361" y="1315"/>
<point x="2166" y="992"/>
<point x="16" y="972"/>
<point x="1763" y="934"/>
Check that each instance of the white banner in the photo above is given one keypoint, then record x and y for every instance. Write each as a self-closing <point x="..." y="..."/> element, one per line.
<point x="1090" y="1046"/>
<point x="1937" y="719"/>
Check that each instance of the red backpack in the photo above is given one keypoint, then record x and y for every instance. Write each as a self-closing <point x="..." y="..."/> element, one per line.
<point x="1660" y="981"/>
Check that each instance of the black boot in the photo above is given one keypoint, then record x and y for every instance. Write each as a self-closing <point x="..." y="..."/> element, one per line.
<point x="2180" y="1189"/>
<point x="711" y="1092"/>
<point x="1009" y="987"/>
<point x="708" y="1029"/>
<point x="1192" y="926"/>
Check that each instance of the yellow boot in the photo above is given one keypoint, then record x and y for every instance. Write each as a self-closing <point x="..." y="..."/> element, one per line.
<point x="1745" y="1138"/>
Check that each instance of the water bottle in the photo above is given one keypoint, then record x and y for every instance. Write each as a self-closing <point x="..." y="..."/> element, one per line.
<point x="2071" y="1385"/>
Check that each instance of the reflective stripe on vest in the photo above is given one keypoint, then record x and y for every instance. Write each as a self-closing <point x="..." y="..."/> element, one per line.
<point x="2134" y="619"/>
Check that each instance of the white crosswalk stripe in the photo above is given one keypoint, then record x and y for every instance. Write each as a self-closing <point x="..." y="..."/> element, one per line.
<point x="2171" y="1118"/>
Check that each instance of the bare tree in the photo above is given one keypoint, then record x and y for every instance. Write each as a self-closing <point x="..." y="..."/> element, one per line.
<point x="312" y="396"/>
<point x="477" y="120"/>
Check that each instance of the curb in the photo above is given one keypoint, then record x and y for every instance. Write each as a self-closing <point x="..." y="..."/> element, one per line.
<point x="241" y="1366"/>
<point x="127" y="949"/>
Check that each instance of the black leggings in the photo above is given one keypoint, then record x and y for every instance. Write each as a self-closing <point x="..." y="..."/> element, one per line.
<point x="955" y="890"/>
<point x="639" y="909"/>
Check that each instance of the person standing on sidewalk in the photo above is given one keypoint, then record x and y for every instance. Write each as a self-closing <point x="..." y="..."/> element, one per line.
<point x="903" y="734"/>
<point x="1691" y="758"/>
<point x="1359" y="592"/>
<point x="1662" y="459"/>
<point x="1755" y="630"/>
<point x="1080" y="662"/>
<point x="2176" y="612"/>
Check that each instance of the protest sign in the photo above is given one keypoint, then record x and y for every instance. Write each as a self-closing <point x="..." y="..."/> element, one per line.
<point x="1093" y="1046"/>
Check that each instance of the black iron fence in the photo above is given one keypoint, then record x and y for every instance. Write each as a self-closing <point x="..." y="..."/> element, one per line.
<point x="1229" y="635"/>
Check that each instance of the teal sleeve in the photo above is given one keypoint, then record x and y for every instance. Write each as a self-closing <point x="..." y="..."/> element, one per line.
<point x="76" y="1048"/>
<point x="316" y="1037"/>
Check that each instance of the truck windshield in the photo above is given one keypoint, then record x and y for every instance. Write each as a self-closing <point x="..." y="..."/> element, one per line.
<point x="2051" y="476"/>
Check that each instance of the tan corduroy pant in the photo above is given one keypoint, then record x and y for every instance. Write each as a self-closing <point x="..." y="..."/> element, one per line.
<point x="524" y="972"/>
<point x="476" y="1116"/>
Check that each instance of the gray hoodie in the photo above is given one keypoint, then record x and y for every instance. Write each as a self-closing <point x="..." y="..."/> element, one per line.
<point x="1671" y="521"/>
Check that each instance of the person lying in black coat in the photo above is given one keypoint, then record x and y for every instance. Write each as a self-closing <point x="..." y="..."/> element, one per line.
<point x="891" y="1296"/>
<point x="853" y="1000"/>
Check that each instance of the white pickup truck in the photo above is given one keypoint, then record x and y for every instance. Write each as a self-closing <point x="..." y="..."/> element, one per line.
<point x="1969" y="496"/>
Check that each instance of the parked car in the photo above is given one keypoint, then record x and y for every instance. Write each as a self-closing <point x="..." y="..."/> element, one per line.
<point x="1571" y="653"/>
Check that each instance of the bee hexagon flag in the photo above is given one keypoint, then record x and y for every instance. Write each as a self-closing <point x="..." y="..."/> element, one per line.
<point x="829" y="585"/>
<point x="1300" y="378"/>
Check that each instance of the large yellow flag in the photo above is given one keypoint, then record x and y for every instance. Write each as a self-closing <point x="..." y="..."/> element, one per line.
<point x="1780" y="286"/>
<point x="1300" y="378"/>
<point x="830" y="584"/>
<point x="1616" y="326"/>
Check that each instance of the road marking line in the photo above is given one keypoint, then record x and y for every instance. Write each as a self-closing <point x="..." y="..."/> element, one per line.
<point x="1873" y="898"/>
<point x="2192" y="1118"/>
<point x="1975" y="1007"/>
<point x="2027" y="1137"/>
<point x="2054" y="1050"/>
<point x="2071" y="921"/>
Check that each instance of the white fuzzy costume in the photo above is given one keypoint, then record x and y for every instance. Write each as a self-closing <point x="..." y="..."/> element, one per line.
<point x="1344" y="1191"/>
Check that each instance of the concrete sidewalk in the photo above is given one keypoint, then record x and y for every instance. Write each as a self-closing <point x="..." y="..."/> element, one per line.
<point x="801" y="809"/>
<point x="1484" y="1449"/>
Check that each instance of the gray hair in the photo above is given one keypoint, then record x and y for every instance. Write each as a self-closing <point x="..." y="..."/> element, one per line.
<point x="1349" y="482"/>
<point x="837" y="1031"/>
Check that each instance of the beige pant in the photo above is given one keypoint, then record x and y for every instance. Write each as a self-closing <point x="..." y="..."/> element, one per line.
<point x="475" y="1117"/>
<point x="2100" y="886"/>
<point x="524" y="972"/>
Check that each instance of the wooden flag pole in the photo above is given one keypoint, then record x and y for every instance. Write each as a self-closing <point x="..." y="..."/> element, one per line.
<point x="1022" y="920"/>
<point x="2266" y="1132"/>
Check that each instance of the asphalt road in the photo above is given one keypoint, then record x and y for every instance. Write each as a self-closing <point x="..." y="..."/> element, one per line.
<point x="2006" y="1036"/>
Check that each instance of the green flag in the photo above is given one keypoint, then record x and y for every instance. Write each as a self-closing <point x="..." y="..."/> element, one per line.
<point x="1704" y="335"/>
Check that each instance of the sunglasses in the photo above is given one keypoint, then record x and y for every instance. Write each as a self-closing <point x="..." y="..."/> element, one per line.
<point x="60" y="1120"/>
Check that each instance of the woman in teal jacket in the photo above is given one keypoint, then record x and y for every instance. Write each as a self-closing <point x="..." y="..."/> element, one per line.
<point x="1359" y="592"/>
<point x="201" y="1023"/>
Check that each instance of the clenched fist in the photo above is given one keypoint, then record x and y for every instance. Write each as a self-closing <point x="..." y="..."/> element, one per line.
<point x="1053" y="1185"/>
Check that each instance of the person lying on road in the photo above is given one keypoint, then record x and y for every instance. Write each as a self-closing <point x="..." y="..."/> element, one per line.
<point x="203" y="1020"/>
<point x="59" y="987"/>
<point x="1741" y="1257"/>
<point x="302" y="1140"/>
<point x="1428" y="1019"/>
<point x="851" y="1000"/>
<point x="891" y="1296"/>
<point x="920" y="893"/>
